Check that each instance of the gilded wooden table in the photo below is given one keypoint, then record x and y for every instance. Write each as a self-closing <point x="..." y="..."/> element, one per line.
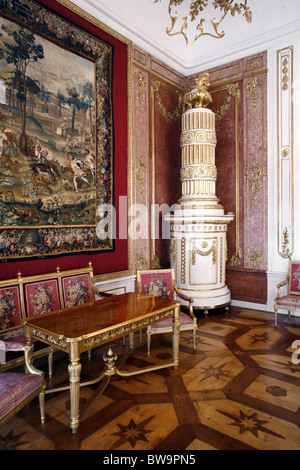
<point x="81" y="328"/>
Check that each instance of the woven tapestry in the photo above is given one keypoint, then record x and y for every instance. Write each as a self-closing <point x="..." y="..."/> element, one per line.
<point x="56" y="134"/>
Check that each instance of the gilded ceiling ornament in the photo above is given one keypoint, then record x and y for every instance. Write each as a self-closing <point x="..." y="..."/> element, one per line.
<point x="197" y="19"/>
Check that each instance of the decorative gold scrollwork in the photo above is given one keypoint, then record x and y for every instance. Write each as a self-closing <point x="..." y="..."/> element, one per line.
<point x="141" y="262"/>
<point x="141" y="79"/>
<point x="197" y="9"/>
<point x="256" y="258"/>
<point x="236" y="258"/>
<point x="255" y="175"/>
<point x="286" y="254"/>
<point x="251" y="89"/>
<point x="233" y="91"/>
<point x="204" y="244"/>
<point x="141" y="171"/>
<point x="170" y="117"/>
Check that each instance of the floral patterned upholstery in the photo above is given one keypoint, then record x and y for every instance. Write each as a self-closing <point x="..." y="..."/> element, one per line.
<point x="161" y="283"/>
<point x="77" y="290"/>
<point x="16" y="390"/>
<point x="11" y="333"/>
<point x="37" y="295"/>
<point x="10" y="307"/>
<point x="291" y="300"/>
<point x="42" y="297"/>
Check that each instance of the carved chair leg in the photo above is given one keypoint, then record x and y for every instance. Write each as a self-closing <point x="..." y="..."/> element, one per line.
<point x="275" y="309"/>
<point x="194" y="338"/>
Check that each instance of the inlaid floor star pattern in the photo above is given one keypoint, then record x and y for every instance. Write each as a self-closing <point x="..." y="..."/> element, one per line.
<point x="238" y="390"/>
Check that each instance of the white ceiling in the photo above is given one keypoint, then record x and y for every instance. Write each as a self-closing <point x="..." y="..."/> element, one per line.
<point x="144" y="23"/>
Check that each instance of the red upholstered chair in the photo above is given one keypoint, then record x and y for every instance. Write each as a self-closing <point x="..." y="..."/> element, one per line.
<point x="290" y="301"/>
<point x="161" y="283"/>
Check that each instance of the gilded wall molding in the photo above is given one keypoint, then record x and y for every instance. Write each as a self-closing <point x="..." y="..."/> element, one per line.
<point x="233" y="91"/>
<point x="140" y="162"/>
<point x="142" y="82"/>
<point x="285" y="158"/>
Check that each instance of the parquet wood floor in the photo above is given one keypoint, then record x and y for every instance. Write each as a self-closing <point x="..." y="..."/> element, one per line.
<point x="238" y="391"/>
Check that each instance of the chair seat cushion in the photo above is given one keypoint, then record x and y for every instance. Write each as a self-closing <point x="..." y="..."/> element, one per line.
<point x="15" y="388"/>
<point x="12" y="340"/>
<point x="185" y="320"/>
<point x="289" y="301"/>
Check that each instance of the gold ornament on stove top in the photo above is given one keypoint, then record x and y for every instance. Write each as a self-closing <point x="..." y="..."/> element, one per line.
<point x="199" y="97"/>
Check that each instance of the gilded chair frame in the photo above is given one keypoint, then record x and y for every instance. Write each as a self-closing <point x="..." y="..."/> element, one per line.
<point x="291" y="292"/>
<point x="22" y="283"/>
<point x="176" y="293"/>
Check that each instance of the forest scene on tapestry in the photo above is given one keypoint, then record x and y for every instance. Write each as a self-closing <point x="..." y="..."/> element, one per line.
<point x="55" y="135"/>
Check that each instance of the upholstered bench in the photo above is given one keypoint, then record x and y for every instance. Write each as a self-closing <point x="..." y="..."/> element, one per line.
<point x="17" y="390"/>
<point x="25" y="297"/>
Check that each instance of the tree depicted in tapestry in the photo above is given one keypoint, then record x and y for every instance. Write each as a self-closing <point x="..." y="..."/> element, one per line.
<point x="55" y="137"/>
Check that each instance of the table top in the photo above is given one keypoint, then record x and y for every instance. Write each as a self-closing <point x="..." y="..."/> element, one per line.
<point x="101" y="315"/>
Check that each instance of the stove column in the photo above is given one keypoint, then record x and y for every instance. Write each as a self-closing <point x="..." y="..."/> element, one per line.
<point x="198" y="227"/>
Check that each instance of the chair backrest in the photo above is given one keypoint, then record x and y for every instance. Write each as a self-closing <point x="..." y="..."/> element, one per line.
<point x="41" y="295"/>
<point x="35" y="295"/>
<point x="294" y="278"/>
<point x="159" y="282"/>
<point x="77" y="288"/>
<point x="10" y="305"/>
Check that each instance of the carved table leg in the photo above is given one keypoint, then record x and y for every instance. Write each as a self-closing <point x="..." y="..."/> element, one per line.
<point x="74" y="369"/>
<point x="176" y="331"/>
